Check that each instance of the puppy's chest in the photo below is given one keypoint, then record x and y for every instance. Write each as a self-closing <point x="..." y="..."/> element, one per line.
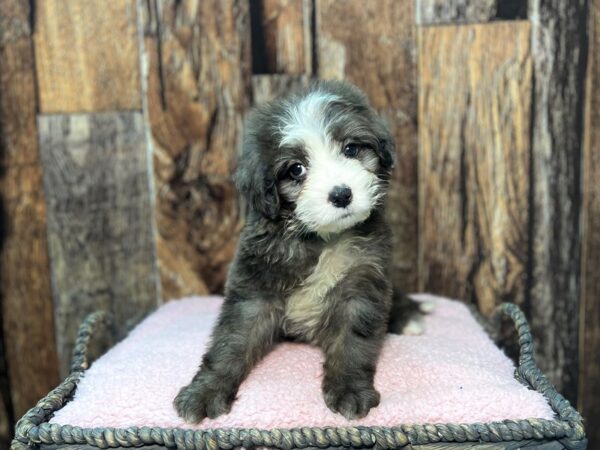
<point x="309" y="306"/>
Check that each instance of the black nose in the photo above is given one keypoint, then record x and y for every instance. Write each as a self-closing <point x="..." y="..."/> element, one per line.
<point x="340" y="196"/>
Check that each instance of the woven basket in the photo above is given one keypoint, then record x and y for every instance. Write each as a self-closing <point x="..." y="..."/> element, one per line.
<point x="33" y="430"/>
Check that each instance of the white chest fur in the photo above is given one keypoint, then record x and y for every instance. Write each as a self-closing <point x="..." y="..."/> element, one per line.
<point x="307" y="308"/>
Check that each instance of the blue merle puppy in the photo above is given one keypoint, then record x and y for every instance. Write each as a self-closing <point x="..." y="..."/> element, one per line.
<point x="312" y="263"/>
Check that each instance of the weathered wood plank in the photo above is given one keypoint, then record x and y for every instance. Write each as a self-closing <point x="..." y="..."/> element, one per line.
<point x="435" y="12"/>
<point x="87" y="55"/>
<point x="28" y="333"/>
<point x="446" y="12"/>
<point x="474" y="116"/>
<point x="99" y="220"/>
<point x="559" y="52"/>
<point x="287" y="36"/>
<point x="589" y="375"/>
<point x="378" y="55"/>
<point x="7" y="421"/>
<point x="199" y="88"/>
<point x="268" y="87"/>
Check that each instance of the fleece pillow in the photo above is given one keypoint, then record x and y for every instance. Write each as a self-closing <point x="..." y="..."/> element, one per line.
<point x="453" y="373"/>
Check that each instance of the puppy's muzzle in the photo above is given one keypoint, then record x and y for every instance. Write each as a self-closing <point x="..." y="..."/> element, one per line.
<point x="340" y="196"/>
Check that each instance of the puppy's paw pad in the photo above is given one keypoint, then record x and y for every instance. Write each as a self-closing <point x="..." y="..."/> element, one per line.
<point x="427" y="307"/>
<point x="350" y="402"/>
<point x="414" y="327"/>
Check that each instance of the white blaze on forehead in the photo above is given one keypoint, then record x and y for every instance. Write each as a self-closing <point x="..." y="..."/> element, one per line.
<point x="304" y="122"/>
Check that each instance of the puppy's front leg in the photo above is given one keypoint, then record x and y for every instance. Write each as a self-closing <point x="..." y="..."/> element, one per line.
<point x="351" y="354"/>
<point x="245" y="332"/>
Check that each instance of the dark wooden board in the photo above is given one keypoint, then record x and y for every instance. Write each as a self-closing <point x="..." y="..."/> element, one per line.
<point x="198" y="90"/>
<point x="285" y="33"/>
<point x="96" y="179"/>
<point x="474" y="115"/>
<point x="373" y="45"/>
<point x="27" y="312"/>
<point x="559" y="51"/>
<point x="589" y="374"/>
<point x="87" y="55"/>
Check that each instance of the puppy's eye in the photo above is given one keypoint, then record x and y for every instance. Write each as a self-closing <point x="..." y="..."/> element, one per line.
<point x="297" y="171"/>
<point x="351" y="150"/>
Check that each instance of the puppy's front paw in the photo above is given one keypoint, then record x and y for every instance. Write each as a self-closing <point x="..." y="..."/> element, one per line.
<point x="352" y="402"/>
<point x="199" y="400"/>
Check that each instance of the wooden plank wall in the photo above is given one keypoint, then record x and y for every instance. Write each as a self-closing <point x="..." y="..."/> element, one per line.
<point x="282" y="47"/>
<point x="589" y="350"/>
<point x="531" y="219"/>
<point x="559" y="53"/>
<point x="199" y="87"/>
<point x="474" y="112"/>
<point x="140" y="107"/>
<point x="71" y="40"/>
<point x="28" y="349"/>
<point x="436" y="12"/>
<point x="99" y="220"/>
<point x="284" y="34"/>
<point x="96" y="164"/>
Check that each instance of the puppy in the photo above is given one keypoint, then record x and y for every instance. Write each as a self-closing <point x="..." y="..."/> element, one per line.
<point x="313" y="258"/>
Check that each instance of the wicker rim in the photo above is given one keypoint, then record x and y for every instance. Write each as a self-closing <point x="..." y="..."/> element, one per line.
<point x="33" y="428"/>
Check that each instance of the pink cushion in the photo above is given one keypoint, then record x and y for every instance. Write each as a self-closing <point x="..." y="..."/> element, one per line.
<point x="452" y="373"/>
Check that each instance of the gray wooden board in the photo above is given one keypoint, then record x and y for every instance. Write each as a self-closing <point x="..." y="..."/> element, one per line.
<point x="96" y="179"/>
<point x="437" y="12"/>
<point x="558" y="46"/>
<point x="433" y="12"/>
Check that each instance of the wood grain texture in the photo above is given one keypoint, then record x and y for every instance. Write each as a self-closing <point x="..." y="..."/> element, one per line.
<point x="372" y="44"/>
<point x="27" y="312"/>
<point x="7" y="421"/>
<point x="559" y="53"/>
<point x="268" y="87"/>
<point x="474" y="115"/>
<point x="199" y="88"/>
<point x="286" y="30"/>
<point x="589" y="375"/>
<point x="99" y="220"/>
<point x="434" y="12"/>
<point x="87" y="55"/>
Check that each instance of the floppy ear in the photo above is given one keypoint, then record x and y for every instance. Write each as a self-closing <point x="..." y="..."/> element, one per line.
<point x="386" y="150"/>
<point x="256" y="183"/>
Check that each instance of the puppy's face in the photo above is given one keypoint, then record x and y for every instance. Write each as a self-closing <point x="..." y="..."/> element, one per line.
<point x="322" y="159"/>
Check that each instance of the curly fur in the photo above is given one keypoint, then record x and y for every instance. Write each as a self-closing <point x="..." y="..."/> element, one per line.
<point x="306" y="269"/>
